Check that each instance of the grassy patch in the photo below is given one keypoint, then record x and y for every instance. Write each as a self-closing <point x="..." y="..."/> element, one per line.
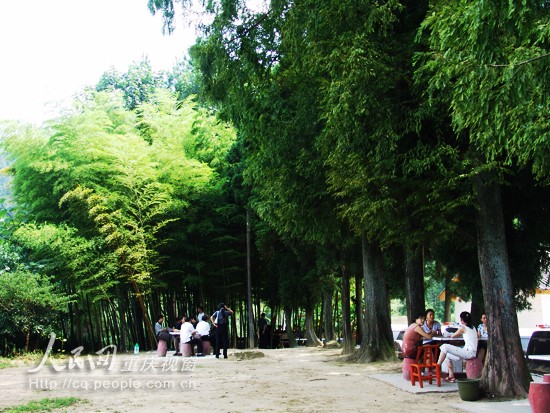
<point x="27" y="359"/>
<point x="44" y="405"/>
<point x="5" y="363"/>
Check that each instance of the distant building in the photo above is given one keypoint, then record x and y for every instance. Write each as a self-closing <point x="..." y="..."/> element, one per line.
<point x="538" y="317"/>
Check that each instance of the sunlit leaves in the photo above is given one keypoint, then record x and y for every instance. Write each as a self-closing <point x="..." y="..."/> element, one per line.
<point x="491" y="61"/>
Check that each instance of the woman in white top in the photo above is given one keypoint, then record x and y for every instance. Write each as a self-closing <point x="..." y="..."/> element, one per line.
<point x="452" y="353"/>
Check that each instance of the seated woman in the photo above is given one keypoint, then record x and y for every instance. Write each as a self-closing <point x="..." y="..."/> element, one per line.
<point x="482" y="332"/>
<point x="431" y="324"/>
<point x="452" y="353"/>
<point x="483" y="329"/>
<point x="413" y="337"/>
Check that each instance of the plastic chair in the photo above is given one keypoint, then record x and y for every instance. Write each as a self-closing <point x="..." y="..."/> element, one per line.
<point x="426" y="362"/>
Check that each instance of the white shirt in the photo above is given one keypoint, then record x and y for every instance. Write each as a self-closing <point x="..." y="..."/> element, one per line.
<point x="186" y="331"/>
<point x="203" y="328"/>
<point x="199" y="317"/>
<point x="470" y="340"/>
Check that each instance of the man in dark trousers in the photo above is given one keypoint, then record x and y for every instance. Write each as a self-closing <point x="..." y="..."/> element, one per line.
<point x="221" y="323"/>
<point x="262" y="329"/>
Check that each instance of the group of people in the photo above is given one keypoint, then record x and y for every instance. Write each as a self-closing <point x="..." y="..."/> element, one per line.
<point x="275" y="338"/>
<point x="425" y="327"/>
<point x="196" y="330"/>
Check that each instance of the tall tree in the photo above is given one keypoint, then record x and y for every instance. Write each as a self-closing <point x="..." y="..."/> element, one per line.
<point x="491" y="62"/>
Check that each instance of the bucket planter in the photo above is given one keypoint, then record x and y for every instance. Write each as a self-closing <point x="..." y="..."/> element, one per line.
<point x="468" y="389"/>
<point x="539" y="397"/>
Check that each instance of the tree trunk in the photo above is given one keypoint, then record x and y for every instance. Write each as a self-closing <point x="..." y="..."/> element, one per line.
<point x="347" y="334"/>
<point x="289" y="327"/>
<point x="505" y="373"/>
<point x="149" y="329"/>
<point x="377" y="341"/>
<point x="312" y="339"/>
<point x="414" y="281"/>
<point x="335" y="314"/>
<point x="327" y="312"/>
<point x="360" y="320"/>
<point x="27" y="338"/>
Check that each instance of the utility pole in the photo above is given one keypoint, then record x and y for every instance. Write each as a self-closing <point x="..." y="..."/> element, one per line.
<point x="251" y="341"/>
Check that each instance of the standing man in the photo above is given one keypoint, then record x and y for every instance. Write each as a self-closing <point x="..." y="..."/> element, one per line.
<point x="221" y="323"/>
<point x="200" y="314"/>
<point x="262" y="330"/>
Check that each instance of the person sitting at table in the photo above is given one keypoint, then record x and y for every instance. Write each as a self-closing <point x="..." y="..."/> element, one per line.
<point x="276" y="338"/>
<point x="203" y="328"/>
<point x="450" y="353"/>
<point x="483" y="329"/>
<point x="482" y="332"/>
<point x="162" y="333"/>
<point x="412" y="339"/>
<point x="163" y="336"/>
<point x="298" y="332"/>
<point x="431" y="324"/>
<point x="189" y="335"/>
<point x="176" y="337"/>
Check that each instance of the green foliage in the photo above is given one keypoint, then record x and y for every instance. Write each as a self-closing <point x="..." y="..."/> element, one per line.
<point x="76" y="262"/>
<point x="137" y="85"/>
<point x="434" y="285"/>
<point x="120" y="191"/>
<point x="30" y="303"/>
<point x="490" y="62"/>
<point x="44" y="405"/>
<point x="182" y="80"/>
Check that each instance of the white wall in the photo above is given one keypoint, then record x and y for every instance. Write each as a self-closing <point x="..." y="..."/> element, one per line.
<point x="527" y="319"/>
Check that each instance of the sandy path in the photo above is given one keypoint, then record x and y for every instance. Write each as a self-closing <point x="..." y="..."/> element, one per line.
<point x="286" y="380"/>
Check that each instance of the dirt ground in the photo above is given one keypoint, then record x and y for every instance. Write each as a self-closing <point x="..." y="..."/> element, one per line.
<point x="284" y="380"/>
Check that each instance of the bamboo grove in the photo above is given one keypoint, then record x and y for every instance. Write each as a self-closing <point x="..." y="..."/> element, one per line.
<point x="362" y="142"/>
